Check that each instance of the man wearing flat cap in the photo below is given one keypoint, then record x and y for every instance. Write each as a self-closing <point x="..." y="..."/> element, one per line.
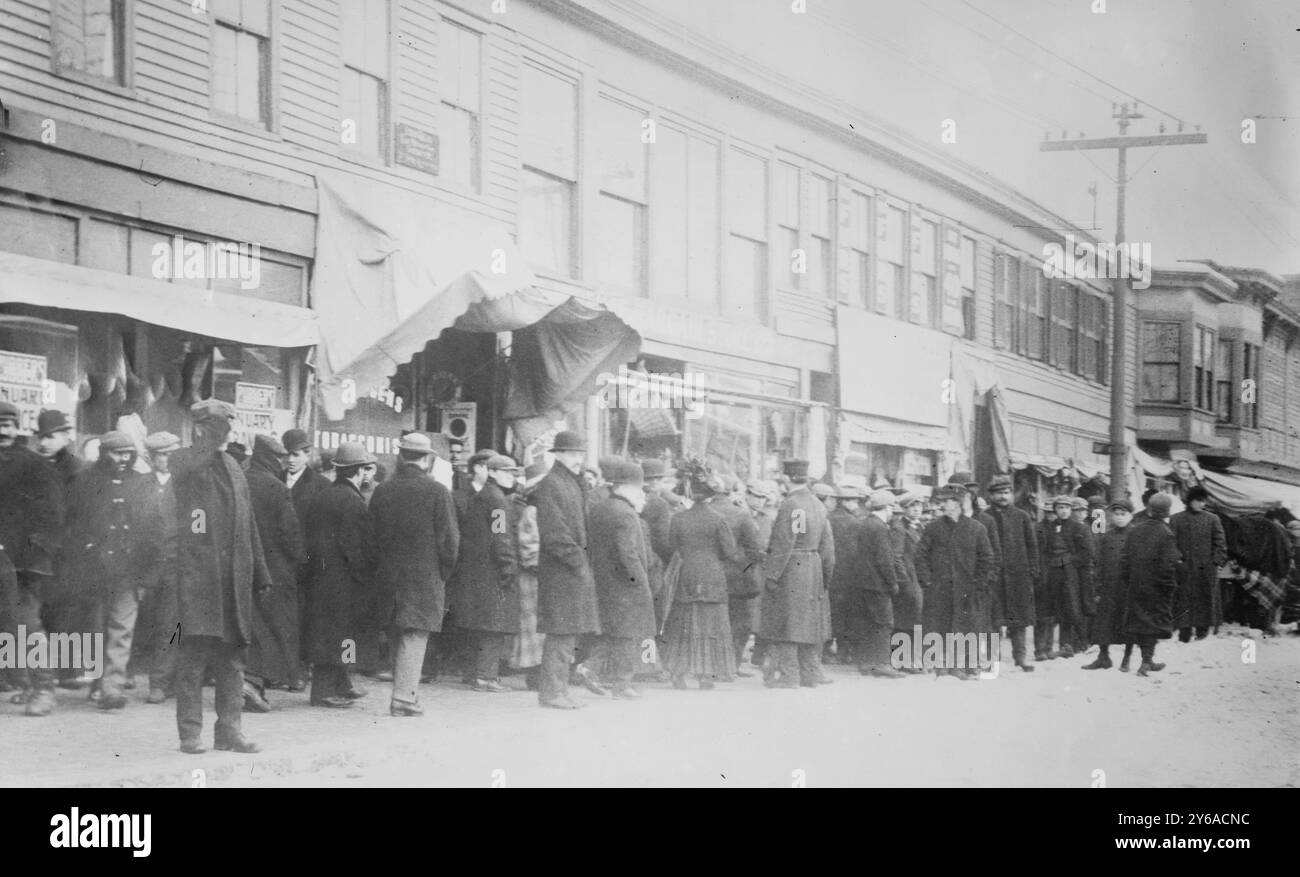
<point x="796" y="620"/>
<point x="953" y="562"/>
<point x="1198" y="602"/>
<point x="904" y="538"/>
<point x="1148" y="566"/>
<point x="1066" y="547"/>
<point x="158" y="617"/>
<point x="566" y="592"/>
<point x="65" y="610"/>
<point x="848" y="531"/>
<point x="1013" y="584"/>
<point x="1108" y="620"/>
<point x="419" y="541"/>
<point x="873" y="587"/>
<point x="303" y="481"/>
<point x="219" y="569"/>
<point x="29" y="530"/>
<point x="275" y="649"/>
<point x="341" y="546"/>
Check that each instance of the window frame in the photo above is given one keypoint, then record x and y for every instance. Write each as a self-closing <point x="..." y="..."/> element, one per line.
<point x="1177" y="364"/>
<point x="763" y="304"/>
<point x="1007" y="280"/>
<point x="969" y="294"/>
<point x="578" y="213"/>
<point x="126" y="87"/>
<point x="1203" y="378"/>
<point x="447" y="17"/>
<point x="270" y="85"/>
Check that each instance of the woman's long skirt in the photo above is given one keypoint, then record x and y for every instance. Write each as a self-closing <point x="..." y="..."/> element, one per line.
<point x="699" y="641"/>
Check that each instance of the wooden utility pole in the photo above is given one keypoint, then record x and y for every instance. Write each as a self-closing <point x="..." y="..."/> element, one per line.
<point x="1119" y="349"/>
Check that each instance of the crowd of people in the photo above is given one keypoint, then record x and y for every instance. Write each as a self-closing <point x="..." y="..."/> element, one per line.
<point x="285" y="570"/>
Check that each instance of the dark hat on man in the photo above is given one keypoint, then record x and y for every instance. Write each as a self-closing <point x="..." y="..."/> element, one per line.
<point x="653" y="468"/>
<point x="416" y="443"/>
<point x="1062" y="500"/>
<point x="352" y="454"/>
<point x="237" y="450"/>
<point x="209" y="410"/>
<point x="502" y="463"/>
<point x="1096" y="501"/>
<point x="795" y="468"/>
<point x="268" y="444"/>
<point x="116" y="441"/>
<point x="50" y="422"/>
<point x="948" y="491"/>
<point x="1125" y="504"/>
<point x="1159" y="505"/>
<point x="623" y="472"/>
<point x="1198" y="492"/>
<point x="162" y="442"/>
<point x="9" y="411"/>
<point x="607" y="463"/>
<point x="1000" y="482"/>
<point x="295" y="440"/>
<point x="568" y="440"/>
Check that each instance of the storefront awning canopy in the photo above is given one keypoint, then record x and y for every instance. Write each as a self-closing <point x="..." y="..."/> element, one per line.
<point x="883" y="431"/>
<point x="219" y="315"/>
<point x="1242" y="495"/>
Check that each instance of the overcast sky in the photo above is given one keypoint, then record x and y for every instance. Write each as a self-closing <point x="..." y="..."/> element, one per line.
<point x="1211" y="63"/>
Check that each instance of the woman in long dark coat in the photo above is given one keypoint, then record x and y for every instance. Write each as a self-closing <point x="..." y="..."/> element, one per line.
<point x="698" y="628"/>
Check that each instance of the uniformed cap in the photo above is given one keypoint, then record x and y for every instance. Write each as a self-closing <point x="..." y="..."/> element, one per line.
<point x="9" y="411"/>
<point x="1000" y="482"/>
<point x="160" y="442"/>
<point x="821" y="490"/>
<point x="212" y="410"/>
<point x="963" y="479"/>
<point x="795" y="468"/>
<point x="352" y="454"/>
<point x="50" y="422"/>
<point x="568" y="440"/>
<point x="268" y="444"/>
<point x="881" y="499"/>
<point x="623" y="472"/>
<point x="502" y="463"/>
<point x="116" y="441"/>
<point x="295" y="440"/>
<point x="1079" y="503"/>
<point x="1125" y="504"/>
<point x="847" y="491"/>
<point x="653" y="468"/>
<point x="1160" y="504"/>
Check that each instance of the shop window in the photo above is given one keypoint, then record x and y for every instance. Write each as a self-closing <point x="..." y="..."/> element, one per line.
<point x="548" y="148"/>
<point x="1160" y="361"/>
<point x="969" y="249"/>
<point x="1203" y="353"/>
<point x="241" y="60"/>
<point x="89" y="39"/>
<point x="460" y="64"/>
<point x="620" y="161"/>
<point x="1223" y="382"/>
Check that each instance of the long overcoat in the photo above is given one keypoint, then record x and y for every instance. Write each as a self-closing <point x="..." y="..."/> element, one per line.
<point x="1198" y="601"/>
<point x="1148" y="578"/>
<point x="275" y="648"/>
<point x="566" y="591"/>
<point x="620" y="563"/>
<point x="904" y="537"/>
<point x="483" y="592"/>
<point x="1013" y="589"/>
<point x="953" y="563"/>
<point x="800" y="566"/>
<point x="341" y="547"/>
<point x="1065" y="592"/>
<point x="1112" y="598"/>
<point x="740" y="579"/>
<point x="417" y="543"/>
<point x="215" y="534"/>
<point x="657" y="513"/>
<point x="308" y="486"/>
<point x="30" y="510"/>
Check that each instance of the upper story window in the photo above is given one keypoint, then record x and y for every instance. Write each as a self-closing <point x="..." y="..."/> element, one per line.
<point x="967" y="270"/>
<point x="1094" y="312"/>
<point x="1006" y="283"/>
<point x="858" y="250"/>
<point x="549" y="176"/>
<point x="619" y="153"/>
<point x="785" y="205"/>
<point x="821" y="220"/>
<point x="746" y="257"/>
<point x="1034" y="319"/>
<point x="460" y="65"/>
<point x="1223" y="381"/>
<point x="925" y="306"/>
<point x="1203" y="353"/>
<point x="363" y="82"/>
<point x="891" y="255"/>
<point x="1161" y="361"/>
<point x="89" y="39"/>
<point x="1064" y="322"/>
<point x="241" y="60"/>
<point x="685" y="217"/>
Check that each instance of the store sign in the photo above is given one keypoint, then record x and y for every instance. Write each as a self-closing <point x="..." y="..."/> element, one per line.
<point x="416" y="148"/>
<point x="23" y="383"/>
<point x="256" y="414"/>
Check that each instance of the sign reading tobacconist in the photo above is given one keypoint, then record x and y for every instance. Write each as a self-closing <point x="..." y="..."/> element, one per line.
<point x="23" y="382"/>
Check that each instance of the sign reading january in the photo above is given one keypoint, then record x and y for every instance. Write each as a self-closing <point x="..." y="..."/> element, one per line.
<point x="23" y="382"/>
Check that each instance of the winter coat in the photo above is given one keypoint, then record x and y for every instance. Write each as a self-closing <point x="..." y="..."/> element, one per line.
<point x="566" y="591"/>
<point x="1013" y="588"/>
<point x="1198" y="601"/>
<point x="953" y="563"/>
<point x="707" y="547"/>
<point x="275" y="647"/>
<point x="741" y="581"/>
<point x="107" y="544"/>
<point x="30" y="510"/>
<point x="908" y="602"/>
<point x="483" y="592"/>
<point x="1112" y="598"/>
<point x="800" y="567"/>
<point x="657" y="513"/>
<point x="1148" y="578"/>
<point x="620" y="564"/>
<point x="342" y="552"/>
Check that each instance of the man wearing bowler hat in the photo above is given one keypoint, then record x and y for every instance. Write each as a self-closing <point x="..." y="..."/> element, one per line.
<point x="566" y="590"/>
<point x="219" y="568"/>
<point x="418" y="543"/>
<point x="796" y="619"/>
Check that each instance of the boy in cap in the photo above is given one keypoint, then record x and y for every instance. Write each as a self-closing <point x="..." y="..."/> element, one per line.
<point x="1108" y="620"/>
<point x="1013" y="587"/>
<point x="953" y="563"/>
<point x="1067" y="565"/>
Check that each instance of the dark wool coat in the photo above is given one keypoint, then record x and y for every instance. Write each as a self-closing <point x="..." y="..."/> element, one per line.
<point x="218" y="546"/>
<point x="1065" y="592"/>
<point x="1112" y="603"/>
<point x="995" y="543"/>
<point x="1198" y="601"/>
<point x="341" y="548"/>
<point x="657" y="513"/>
<point x="418" y="542"/>
<point x="308" y="486"/>
<point x="108" y="542"/>
<point x="1148" y="577"/>
<point x="800" y="566"/>
<point x="908" y="602"/>
<point x="849" y="533"/>
<point x="1013" y="587"/>
<point x="953" y="563"/>
<point x="483" y="592"/>
<point x="740" y="571"/>
<point x="707" y="547"/>
<point x="877" y="571"/>
<point x="275" y="648"/>
<point x="29" y="510"/>
<point x="620" y="563"/>
<point x="566" y="591"/>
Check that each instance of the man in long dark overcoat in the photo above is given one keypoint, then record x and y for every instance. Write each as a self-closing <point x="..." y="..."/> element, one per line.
<point x="742" y="586"/>
<point x="304" y="484"/>
<point x="484" y="590"/>
<point x="63" y="608"/>
<point x="1149" y="576"/>
<point x="418" y="541"/>
<point x="1013" y="585"/>
<point x="1198" y="602"/>
<point x="620" y="564"/>
<point x="873" y="588"/>
<point x="953" y="563"/>
<point x="274" y="653"/>
<point x="1108" y="620"/>
<point x="796" y="621"/>
<point x="341" y="548"/>
<point x="566" y="591"/>
<point x="219" y="567"/>
<point x="1066" y="546"/>
<point x="846" y="525"/>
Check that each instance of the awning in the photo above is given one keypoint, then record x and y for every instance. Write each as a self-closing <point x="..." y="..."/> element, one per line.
<point x="219" y="315"/>
<point x="1046" y="464"/>
<point x="883" y="431"/>
<point x="1242" y="495"/>
<point x="1266" y="471"/>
